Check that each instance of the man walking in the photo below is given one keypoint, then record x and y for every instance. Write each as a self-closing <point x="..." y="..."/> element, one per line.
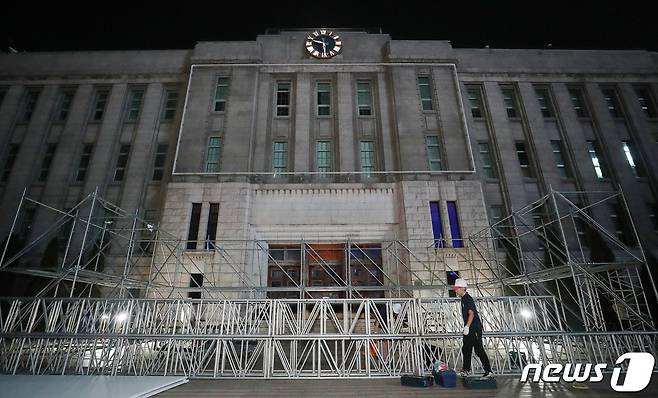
<point x="472" y="331"/>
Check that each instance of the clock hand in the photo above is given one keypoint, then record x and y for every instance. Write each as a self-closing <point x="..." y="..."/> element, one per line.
<point x="317" y="41"/>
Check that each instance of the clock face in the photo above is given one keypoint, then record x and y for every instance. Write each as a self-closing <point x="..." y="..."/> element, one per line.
<point x="323" y="44"/>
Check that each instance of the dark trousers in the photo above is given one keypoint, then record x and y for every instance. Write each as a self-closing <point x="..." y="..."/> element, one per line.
<point x="474" y="339"/>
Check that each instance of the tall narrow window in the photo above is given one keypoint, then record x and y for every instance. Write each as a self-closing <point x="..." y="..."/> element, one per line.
<point x="544" y="100"/>
<point x="455" y="231"/>
<point x="597" y="160"/>
<point x="324" y="99"/>
<point x="158" y="165"/>
<point x="509" y="99"/>
<point x="620" y="224"/>
<point x="451" y="278"/>
<point x="578" y="102"/>
<point x="433" y="152"/>
<point x="425" y="91"/>
<point x="364" y="98"/>
<point x="524" y="160"/>
<point x="9" y="161"/>
<point x="47" y="160"/>
<point x="495" y="214"/>
<point x="212" y="157"/>
<point x="486" y="160"/>
<point x="30" y="103"/>
<point x="475" y="101"/>
<point x="280" y="157"/>
<point x="2" y="95"/>
<point x="134" y="104"/>
<point x="122" y="161"/>
<point x="653" y="215"/>
<point x="367" y="152"/>
<point x="323" y="156"/>
<point x="64" y="105"/>
<point x="84" y="162"/>
<point x="196" y="281"/>
<point x="170" y="105"/>
<point x="100" y="102"/>
<point x="147" y="232"/>
<point x="562" y="166"/>
<point x="633" y="159"/>
<point x="193" y="231"/>
<point x="221" y="92"/>
<point x="646" y="101"/>
<point x="211" y="228"/>
<point x="611" y="100"/>
<point x="437" y="226"/>
<point x="283" y="98"/>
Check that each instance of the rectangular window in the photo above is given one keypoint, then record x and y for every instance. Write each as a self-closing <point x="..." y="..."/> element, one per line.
<point x="47" y="160"/>
<point x="324" y="99"/>
<point x="323" y="156"/>
<point x="211" y="228"/>
<point x="597" y="160"/>
<point x="633" y="159"/>
<point x="171" y="103"/>
<point x="451" y="277"/>
<point x="147" y="233"/>
<point x="212" y="156"/>
<point x="437" y="226"/>
<point x="544" y="100"/>
<point x="646" y="101"/>
<point x="611" y="100"/>
<point x="64" y="105"/>
<point x="159" y="164"/>
<point x="9" y="162"/>
<point x="562" y="166"/>
<point x="364" y="98"/>
<point x="2" y="95"/>
<point x="509" y="99"/>
<point x="455" y="231"/>
<point x="578" y="102"/>
<point x="280" y="157"/>
<point x="135" y="98"/>
<point x="196" y="281"/>
<point x="425" y="93"/>
<point x="653" y="211"/>
<point x="221" y="92"/>
<point x="100" y="101"/>
<point x="283" y="98"/>
<point x="581" y="228"/>
<point x="475" y="101"/>
<point x="620" y="224"/>
<point x="433" y="152"/>
<point x="495" y="214"/>
<point x="84" y="162"/>
<point x="122" y="161"/>
<point x="367" y="157"/>
<point x="30" y="103"/>
<point x="486" y="160"/>
<point x="524" y="160"/>
<point x="193" y="231"/>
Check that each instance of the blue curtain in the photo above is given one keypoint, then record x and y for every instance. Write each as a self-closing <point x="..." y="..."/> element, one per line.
<point x="454" y="225"/>
<point x="437" y="228"/>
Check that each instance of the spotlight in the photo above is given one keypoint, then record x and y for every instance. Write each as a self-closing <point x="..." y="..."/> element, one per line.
<point x="105" y="317"/>
<point x="526" y="313"/>
<point x="121" y="317"/>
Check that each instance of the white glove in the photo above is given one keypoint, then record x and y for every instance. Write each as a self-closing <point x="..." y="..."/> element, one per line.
<point x="465" y="331"/>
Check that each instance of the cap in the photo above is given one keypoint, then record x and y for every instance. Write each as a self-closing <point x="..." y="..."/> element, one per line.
<point x="460" y="283"/>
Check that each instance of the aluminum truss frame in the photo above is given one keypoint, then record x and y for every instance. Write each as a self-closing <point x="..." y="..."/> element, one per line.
<point x="236" y="332"/>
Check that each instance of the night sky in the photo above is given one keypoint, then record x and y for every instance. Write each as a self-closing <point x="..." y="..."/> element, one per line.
<point x="115" y="25"/>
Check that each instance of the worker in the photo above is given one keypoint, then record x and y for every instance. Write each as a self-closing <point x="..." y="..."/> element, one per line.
<point x="472" y="331"/>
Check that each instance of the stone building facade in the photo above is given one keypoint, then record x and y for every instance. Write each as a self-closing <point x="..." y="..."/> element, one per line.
<point x="389" y="140"/>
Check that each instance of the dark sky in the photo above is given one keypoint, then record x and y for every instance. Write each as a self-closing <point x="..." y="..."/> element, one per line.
<point x="114" y="25"/>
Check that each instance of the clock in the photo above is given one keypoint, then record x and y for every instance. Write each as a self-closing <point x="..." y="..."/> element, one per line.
<point x="323" y="44"/>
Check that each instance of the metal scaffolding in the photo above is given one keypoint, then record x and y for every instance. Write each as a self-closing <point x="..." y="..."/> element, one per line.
<point x="553" y="284"/>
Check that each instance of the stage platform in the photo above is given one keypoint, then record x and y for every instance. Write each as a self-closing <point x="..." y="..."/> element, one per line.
<point x="55" y="386"/>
